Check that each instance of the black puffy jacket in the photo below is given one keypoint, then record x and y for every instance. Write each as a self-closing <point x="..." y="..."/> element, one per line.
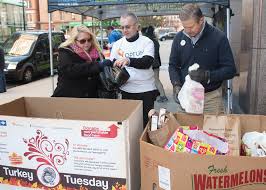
<point x="76" y="78"/>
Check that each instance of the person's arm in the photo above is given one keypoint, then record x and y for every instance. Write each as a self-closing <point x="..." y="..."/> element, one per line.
<point x="226" y="69"/>
<point x="75" y="70"/>
<point x="174" y="67"/>
<point x="141" y="63"/>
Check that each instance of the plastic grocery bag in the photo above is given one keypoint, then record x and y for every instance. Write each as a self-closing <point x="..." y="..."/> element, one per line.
<point x="191" y="95"/>
<point x="254" y="144"/>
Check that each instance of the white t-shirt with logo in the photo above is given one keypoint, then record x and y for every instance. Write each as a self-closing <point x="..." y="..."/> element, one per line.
<point x="141" y="80"/>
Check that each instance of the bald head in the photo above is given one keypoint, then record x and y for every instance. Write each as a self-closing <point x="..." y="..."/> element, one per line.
<point x="132" y="16"/>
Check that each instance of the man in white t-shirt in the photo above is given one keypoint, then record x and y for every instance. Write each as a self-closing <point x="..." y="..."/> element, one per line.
<point x="136" y="54"/>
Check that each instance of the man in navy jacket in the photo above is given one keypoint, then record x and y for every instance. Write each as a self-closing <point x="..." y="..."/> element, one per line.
<point x="207" y="46"/>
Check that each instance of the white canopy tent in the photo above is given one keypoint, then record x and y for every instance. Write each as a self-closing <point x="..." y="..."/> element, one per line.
<point x="106" y="9"/>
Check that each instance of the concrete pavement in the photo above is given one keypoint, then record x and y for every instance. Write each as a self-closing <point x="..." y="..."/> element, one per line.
<point x="40" y="88"/>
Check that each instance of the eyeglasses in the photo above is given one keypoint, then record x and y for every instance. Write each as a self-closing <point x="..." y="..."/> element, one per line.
<point x="83" y="41"/>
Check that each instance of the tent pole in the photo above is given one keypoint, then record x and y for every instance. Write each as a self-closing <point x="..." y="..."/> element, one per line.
<point x="92" y="25"/>
<point x="51" y="52"/>
<point x="101" y="28"/>
<point x="229" y="82"/>
<point x="82" y="19"/>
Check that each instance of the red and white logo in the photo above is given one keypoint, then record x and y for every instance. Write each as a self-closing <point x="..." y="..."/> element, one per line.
<point x="111" y="132"/>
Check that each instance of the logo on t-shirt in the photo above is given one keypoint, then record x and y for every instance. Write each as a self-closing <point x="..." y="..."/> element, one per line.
<point x="120" y="53"/>
<point x="134" y="54"/>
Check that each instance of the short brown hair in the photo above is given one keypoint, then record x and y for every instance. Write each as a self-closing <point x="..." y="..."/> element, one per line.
<point x="189" y="11"/>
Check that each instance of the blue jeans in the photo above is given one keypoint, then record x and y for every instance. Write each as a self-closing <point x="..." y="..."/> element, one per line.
<point x="2" y="82"/>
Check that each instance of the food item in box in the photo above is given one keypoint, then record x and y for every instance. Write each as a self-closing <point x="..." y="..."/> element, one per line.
<point x="160" y="136"/>
<point x="181" y="142"/>
<point x="254" y="144"/>
<point x="219" y="143"/>
<point x="190" y="127"/>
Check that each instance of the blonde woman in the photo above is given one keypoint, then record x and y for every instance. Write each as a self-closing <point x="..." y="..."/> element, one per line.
<point x="79" y="68"/>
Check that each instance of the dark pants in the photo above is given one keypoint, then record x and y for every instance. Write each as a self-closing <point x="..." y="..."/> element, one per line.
<point x="2" y="82"/>
<point x="147" y="98"/>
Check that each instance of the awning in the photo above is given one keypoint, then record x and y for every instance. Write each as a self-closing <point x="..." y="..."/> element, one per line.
<point x="95" y="23"/>
<point x="114" y="8"/>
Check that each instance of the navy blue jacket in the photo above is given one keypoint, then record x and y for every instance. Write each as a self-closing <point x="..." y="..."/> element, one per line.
<point x="212" y="52"/>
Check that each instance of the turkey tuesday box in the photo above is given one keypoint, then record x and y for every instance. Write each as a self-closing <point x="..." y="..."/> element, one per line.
<point x="68" y="143"/>
<point x="161" y="169"/>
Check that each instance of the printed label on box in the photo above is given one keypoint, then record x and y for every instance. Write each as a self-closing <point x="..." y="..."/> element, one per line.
<point x="164" y="178"/>
<point x="66" y="154"/>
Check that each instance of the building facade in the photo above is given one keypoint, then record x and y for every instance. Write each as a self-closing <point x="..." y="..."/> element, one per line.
<point x="11" y="18"/>
<point x="173" y="21"/>
<point x="37" y="16"/>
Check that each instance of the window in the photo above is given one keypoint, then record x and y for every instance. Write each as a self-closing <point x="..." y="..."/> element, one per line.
<point x="72" y="16"/>
<point x="29" y="17"/>
<point x="28" y="4"/>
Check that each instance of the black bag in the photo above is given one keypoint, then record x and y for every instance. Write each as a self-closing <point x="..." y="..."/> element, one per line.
<point x="113" y="77"/>
<point x="103" y="93"/>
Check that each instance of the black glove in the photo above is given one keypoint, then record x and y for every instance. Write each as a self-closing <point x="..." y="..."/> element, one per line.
<point x="105" y="62"/>
<point x="199" y="75"/>
<point x="176" y="90"/>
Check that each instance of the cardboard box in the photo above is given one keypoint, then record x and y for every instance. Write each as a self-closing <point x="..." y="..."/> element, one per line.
<point x="161" y="169"/>
<point x="70" y="143"/>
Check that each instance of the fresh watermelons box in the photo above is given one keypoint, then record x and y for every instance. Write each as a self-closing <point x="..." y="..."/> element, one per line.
<point x="162" y="169"/>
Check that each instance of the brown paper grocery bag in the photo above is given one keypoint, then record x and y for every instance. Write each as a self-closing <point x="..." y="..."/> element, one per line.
<point x="162" y="135"/>
<point x="227" y="127"/>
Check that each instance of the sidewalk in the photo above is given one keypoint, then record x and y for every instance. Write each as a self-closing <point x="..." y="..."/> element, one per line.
<point x="43" y="88"/>
<point x="39" y="88"/>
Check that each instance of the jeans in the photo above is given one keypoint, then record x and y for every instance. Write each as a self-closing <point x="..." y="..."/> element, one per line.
<point x="158" y="83"/>
<point x="2" y="82"/>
